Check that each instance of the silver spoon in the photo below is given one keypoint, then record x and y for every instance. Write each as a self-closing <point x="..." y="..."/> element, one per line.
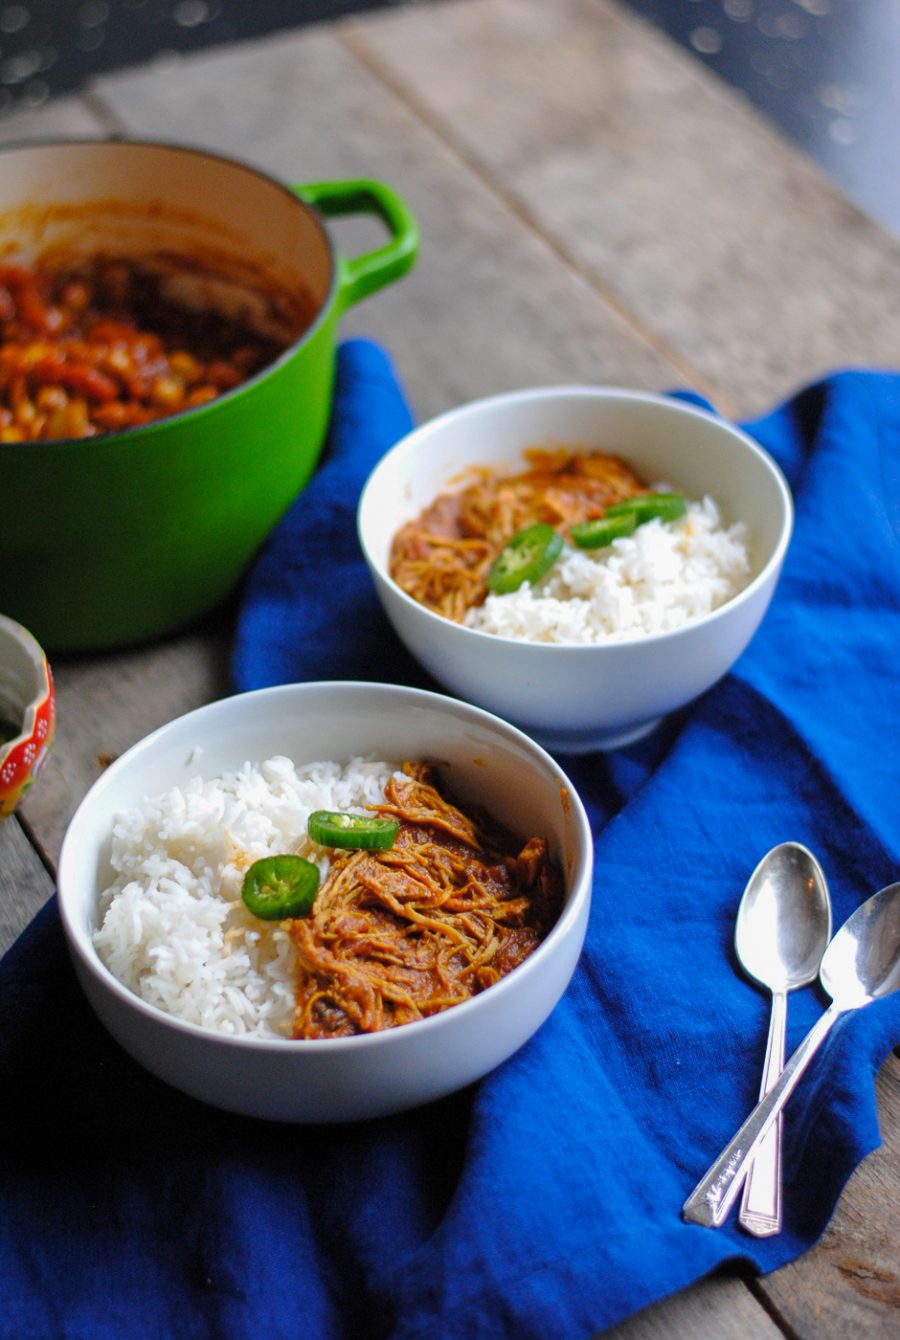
<point x="861" y="964"/>
<point x="783" y="928"/>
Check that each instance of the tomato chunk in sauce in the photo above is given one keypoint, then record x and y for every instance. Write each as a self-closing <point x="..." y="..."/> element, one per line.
<point x="101" y="348"/>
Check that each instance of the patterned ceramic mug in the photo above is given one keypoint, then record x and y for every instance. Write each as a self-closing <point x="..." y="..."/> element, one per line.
<point x="27" y="712"/>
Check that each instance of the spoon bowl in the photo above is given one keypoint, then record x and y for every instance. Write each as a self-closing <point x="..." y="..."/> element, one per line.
<point x="783" y="928"/>
<point x="784" y="919"/>
<point x="861" y="964"/>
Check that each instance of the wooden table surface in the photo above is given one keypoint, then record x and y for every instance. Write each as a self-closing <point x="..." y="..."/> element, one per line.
<point x="595" y="207"/>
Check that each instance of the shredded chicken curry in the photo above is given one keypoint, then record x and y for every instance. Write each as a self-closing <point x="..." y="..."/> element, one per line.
<point x="398" y="935"/>
<point x="441" y="558"/>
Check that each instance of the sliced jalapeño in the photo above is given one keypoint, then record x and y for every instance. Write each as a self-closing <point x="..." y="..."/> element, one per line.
<point x="646" y="506"/>
<point x="280" y="886"/>
<point x="358" y="832"/>
<point x="525" y="558"/>
<point x="602" y="531"/>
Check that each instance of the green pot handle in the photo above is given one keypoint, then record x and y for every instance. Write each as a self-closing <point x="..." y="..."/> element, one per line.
<point x="359" y="276"/>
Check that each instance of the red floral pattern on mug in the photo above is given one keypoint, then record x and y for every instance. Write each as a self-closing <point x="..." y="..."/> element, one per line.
<point x="22" y="760"/>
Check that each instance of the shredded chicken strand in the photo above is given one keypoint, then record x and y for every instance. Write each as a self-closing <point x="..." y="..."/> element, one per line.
<point x="442" y="557"/>
<point x="403" y="934"/>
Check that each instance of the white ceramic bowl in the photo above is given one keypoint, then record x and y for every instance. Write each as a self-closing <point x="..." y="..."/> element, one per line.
<point x="578" y="698"/>
<point x="338" y="1079"/>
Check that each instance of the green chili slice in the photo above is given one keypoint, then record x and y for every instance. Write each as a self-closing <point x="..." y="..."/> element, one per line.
<point x="280" y="886"/>
<point x="366" y="832"/>
<point x="645" y="506"/>
<point x="595" y="534"/>
<point x="525" y="558"/>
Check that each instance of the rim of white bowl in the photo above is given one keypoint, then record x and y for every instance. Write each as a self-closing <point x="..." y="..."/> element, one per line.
<point x="79" y="939"/>
<point x="472" y="408"/>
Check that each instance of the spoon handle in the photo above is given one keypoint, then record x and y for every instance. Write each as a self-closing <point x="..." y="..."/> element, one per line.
<point x="717" y="1190"/>
<point x="761" y="1206"/>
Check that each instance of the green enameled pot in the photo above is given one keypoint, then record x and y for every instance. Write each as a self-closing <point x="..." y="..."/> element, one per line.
<point x="123" y="537"/>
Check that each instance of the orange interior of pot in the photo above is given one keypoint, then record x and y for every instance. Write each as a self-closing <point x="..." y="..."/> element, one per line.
<point x="254" y="252"/>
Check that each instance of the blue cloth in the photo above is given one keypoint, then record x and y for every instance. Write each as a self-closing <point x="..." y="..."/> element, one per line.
<point x="543" y="1203"/>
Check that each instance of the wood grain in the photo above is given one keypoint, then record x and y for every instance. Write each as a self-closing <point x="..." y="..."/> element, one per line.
<point x="680" y="204"/>
<point x="720" y="1308"/>
<point x="107" y="703"/>
<point x="849" y="1284"/>
<point x="71" y="118"/>
<point x="489" y="306"/>
<point x="25" y="884"/>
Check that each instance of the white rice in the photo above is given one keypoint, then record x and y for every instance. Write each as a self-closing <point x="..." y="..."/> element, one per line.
<point x="663" y="576"/>
<point x="174" y="928"/>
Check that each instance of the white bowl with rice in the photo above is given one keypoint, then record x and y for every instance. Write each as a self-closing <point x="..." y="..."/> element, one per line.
<point x="593" y="654"/>
<point x="203" y="994"/>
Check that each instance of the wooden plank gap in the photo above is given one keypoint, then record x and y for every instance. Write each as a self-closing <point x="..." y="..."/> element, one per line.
<point x="755" y="1284"/>
<point x="351" y="35"/>
<point x="40" y="850"/>
<point x="95" y="103"/>
<point x="742" y="107"/>
<point x="720" y="1307"/>
<point x="24" y="884"/>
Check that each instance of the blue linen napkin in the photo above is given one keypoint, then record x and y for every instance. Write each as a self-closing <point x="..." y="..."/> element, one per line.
<point x="545" y="1201"/>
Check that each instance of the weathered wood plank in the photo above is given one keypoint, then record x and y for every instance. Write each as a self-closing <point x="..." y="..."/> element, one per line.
<point x="24" y="882"/>
<point x="719" y="1308"/>
<point x="849" y="1284"/>
<point x="66" y="117"/>
<point x="489" y="307"/>
<point x="657" y="181"/>
<point x="106" y="703"/>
